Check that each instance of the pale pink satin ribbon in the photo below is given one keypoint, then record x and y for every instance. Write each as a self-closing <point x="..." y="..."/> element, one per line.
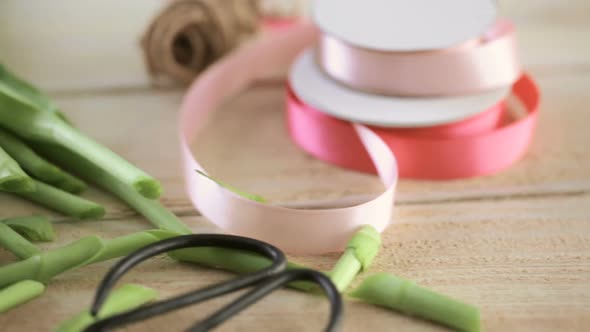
<point x="489" y="62"/>
<point x="317" y="230"/>
<point x="293" y="230"/>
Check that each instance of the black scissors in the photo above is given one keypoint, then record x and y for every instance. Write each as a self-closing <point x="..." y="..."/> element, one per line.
<point x="263" y="282"/>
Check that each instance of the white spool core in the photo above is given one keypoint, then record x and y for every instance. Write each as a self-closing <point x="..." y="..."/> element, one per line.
<point x="315" y="89"/>
<point x="404" y="25"/>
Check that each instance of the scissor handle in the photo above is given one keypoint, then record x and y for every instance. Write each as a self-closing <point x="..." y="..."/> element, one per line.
<point x="279" y="263"/>
<point x="270" y="285"/>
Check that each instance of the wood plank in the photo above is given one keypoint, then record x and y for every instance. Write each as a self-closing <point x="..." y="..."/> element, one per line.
<point x="142" y="127"/>
<point x="517" y="244"/>
<point x="556" y="161"/>
<point x="526" y="263"/>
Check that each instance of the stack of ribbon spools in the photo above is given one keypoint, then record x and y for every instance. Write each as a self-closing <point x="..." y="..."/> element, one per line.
<point x="422" y="82"/>
<point x="430" y="78"/>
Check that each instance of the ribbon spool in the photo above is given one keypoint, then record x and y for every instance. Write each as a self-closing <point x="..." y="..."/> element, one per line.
<point x="327" y="230"/>
<point x="483" y="144"/>
<point x="442" y="137"/>
<point x="189" y="35"/>
<point x="389" y="69"/>
<point x="404" y="26"/>
<point x="483" y="63"/>
<point x="362" y="73"/>
<point x="318" y="90"/>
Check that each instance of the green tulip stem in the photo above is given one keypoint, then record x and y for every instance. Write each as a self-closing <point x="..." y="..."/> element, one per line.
<point x="122" y="299"/>
<point x="16" y="243"/>
<point x="358" y="256"/>
<point x="37" y="166"/>
<point x="345" y="270"/>
<point x="19" y="293"/>
<point x="64" y="202"/>
<point x="46" y="265"/>
<point x="31" y="115"/>
<point x="403" y="295"/>
<point x="157" y="214"/>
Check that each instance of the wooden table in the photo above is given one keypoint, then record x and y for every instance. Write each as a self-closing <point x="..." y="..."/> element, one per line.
<point x="517" y="244"/>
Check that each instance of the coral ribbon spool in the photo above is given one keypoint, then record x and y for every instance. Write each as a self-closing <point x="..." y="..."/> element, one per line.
<point x="328" y="229"/>
<point x="483" y="144"/>
<point x="482" y="64"/>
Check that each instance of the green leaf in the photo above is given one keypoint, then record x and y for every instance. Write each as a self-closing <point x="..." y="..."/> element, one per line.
<point x="35" y="228"/>
<point x="12" y="177"/>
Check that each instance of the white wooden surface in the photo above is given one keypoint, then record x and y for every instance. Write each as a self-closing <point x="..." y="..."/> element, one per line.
<point x="517" y="244"/>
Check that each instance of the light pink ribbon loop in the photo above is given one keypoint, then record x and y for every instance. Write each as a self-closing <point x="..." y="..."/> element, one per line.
<point x="479" y="146"/>
<point x="483" y="64"/>
<point x="293" y="230"/>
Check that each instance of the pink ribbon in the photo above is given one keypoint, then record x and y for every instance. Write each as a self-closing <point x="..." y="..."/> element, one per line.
<point x="480" y="145"/>
<point x="483" y="64"/>
<point x="355" y="146"/>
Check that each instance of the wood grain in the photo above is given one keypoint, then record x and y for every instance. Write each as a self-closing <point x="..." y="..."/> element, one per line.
<point x="517" y="244"/>
<point x="525" y="262"/>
